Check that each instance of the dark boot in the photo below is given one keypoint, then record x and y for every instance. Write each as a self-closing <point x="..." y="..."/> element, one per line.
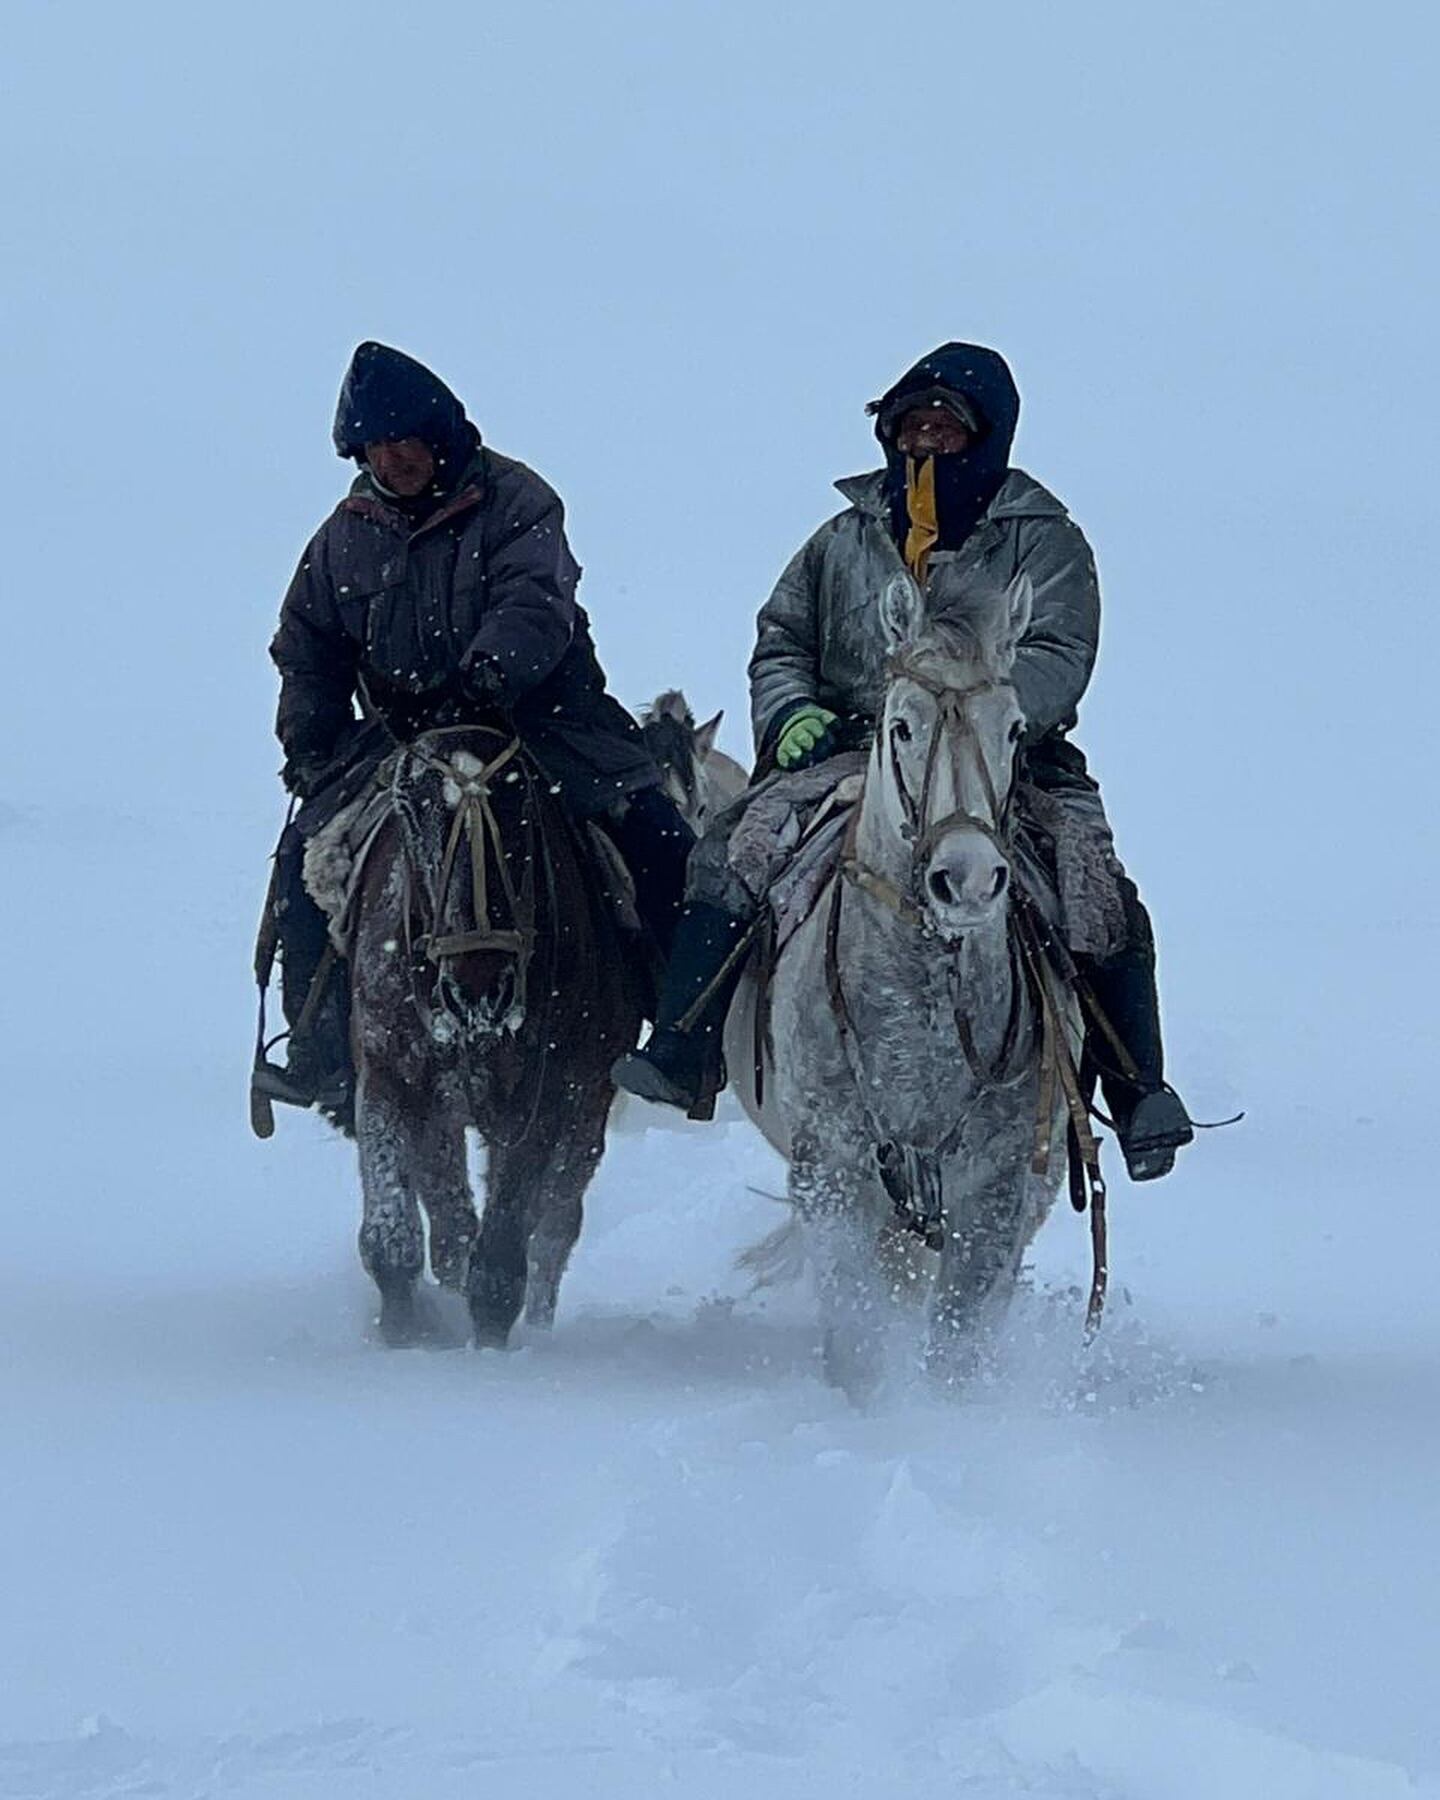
<point x="316" y="1071"/>
<point x="655" y="842"/>
<point x="1150" y="1119"/>
<point x="682" y="1064"/>
<point x="317" y="1068"/>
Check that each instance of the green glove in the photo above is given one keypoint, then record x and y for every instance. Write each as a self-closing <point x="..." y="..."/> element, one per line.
<point x="806" y="737"/>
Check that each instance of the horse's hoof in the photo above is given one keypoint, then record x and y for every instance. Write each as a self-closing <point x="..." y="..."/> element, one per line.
<point x="495" y="1303"/>
<point x="450" y="1261"/>
<point x="856" y="1368"/>
<point x="398" y="1323"/>
<point x="491" y="1337"/>
<point x="409" y="1320"/>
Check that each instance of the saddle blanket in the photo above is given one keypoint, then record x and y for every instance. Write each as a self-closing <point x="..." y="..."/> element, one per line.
<point x="787" y="833"/>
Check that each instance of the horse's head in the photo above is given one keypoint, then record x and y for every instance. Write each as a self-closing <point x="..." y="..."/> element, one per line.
<point x="469" y="809"/>
<point x="679" y="748"/>
<point x="945" y="751"/>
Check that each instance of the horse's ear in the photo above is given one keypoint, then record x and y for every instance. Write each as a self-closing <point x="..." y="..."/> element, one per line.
<point x="1019" y="604"/>
<point x="902" y="611"/>
<point x="705" y="735"/>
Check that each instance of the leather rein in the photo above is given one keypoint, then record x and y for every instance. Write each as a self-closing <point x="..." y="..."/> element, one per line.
<point x="475" y="827"/>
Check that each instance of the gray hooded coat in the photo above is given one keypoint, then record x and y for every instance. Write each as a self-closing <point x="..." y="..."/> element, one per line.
<point x="820" y="639"/>
<point x="819" y="634"/>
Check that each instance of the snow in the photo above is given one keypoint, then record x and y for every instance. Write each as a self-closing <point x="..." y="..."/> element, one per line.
<point x="247" y="1552"/>
<point x="667" y="253"/>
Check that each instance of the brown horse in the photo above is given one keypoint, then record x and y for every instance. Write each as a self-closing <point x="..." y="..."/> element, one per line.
<point x="492" y="988"/>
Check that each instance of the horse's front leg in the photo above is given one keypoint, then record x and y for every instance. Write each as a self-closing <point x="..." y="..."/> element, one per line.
<point x="392" y="1245"/>
<point x="560" y="1201"/>
<point x="495" y="1280"/>
<point x="992" y="1211"/>
<point x="841" y="1202"/>
<point x="449" y="1205"/>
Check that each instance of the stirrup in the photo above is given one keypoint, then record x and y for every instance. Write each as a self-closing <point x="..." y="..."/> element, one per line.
<point x="273" y="1082"/>
<point x="639" y="1074"/>
<point x="277" y="1083"/>
<point x="1158" y="1126"/>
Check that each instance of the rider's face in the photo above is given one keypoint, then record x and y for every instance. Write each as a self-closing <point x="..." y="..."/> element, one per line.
<point x="931" y="431"/>
<point x="406" y="466"/>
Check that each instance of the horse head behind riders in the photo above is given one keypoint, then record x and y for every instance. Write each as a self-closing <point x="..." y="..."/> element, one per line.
<point x="700" y="779"/>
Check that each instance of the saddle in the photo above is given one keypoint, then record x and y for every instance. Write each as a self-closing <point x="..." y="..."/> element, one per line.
<point x="336" y="857"/>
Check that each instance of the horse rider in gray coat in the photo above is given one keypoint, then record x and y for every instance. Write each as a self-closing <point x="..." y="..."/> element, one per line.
<point x="948" y="507"/>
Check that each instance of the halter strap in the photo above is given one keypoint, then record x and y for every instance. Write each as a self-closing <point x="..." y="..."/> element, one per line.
<point x="951" y="703"/>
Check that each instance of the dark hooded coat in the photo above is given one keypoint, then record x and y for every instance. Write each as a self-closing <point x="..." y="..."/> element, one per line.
<point x="428" y="613"/>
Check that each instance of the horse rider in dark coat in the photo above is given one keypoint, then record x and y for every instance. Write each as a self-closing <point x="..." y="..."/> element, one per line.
<point x="948" y="507"/>
<point x="441" y="591"/>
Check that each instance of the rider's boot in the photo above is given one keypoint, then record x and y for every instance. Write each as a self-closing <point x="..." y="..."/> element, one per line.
<point x="316" y="1071"/>
<point x="682" y="1064"/>
<point x="655" y="842"/>
<point x="1150" y="1118"/>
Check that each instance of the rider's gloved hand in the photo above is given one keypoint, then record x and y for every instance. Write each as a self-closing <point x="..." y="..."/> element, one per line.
<point x="806" y="737"/>
<point x="304" y="776"/>
<point x="485" y="683"/>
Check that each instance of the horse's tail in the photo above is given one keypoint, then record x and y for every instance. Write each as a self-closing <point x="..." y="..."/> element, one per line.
<point x="778" y="1258"/>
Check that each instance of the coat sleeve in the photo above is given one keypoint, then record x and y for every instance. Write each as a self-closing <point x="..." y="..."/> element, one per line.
<point x="1056" y="655"/>
<point x="785" y="665"/>
<point x="530" y="608"/>
<point x="317" y="663"/>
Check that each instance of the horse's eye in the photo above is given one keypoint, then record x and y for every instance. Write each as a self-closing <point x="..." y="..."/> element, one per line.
<point x="901" y="732"/>
<point x="1017" y="731"/>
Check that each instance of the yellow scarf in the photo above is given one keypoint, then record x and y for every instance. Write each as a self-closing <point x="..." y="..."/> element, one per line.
<point x="920" y="506"/>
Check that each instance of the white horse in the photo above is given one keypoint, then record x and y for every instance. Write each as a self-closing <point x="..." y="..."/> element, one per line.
<point x="910" y="1068"/>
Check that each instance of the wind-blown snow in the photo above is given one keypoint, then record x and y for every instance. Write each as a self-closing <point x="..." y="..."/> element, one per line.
<point x="666" y="254"/>
<point x="246" y="1552"/>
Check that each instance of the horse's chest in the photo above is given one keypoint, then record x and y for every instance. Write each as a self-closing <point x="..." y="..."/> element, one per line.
<point x="886" y="1056"/>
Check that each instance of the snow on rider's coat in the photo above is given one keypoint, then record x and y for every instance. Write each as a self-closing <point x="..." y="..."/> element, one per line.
<point x="820" y="637"/>
<point x="404" y="614"/>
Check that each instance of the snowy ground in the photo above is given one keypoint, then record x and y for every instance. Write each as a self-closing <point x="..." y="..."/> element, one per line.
<point x="245" y="1552"/>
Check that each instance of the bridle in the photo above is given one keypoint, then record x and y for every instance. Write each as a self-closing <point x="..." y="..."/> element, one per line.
<point x="476" y="833"/>
<point x="952" y="716"/>
<point x="923" y="833"/>
<point x="1015" y="1058"/>
<point x="1045" y="1045"/>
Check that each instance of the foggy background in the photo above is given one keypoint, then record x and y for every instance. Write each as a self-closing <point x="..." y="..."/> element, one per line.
<point x="665" y="254"/>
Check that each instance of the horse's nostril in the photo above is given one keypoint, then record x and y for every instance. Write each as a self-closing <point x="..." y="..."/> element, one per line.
<point x="940" y="887"/>
<point x="1002" y="875"/>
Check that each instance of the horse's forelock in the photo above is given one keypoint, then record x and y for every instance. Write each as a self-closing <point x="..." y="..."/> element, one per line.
<point x="947" y="653"/>
<point x="671" y="743"/>
<point x="672" y="704"/>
